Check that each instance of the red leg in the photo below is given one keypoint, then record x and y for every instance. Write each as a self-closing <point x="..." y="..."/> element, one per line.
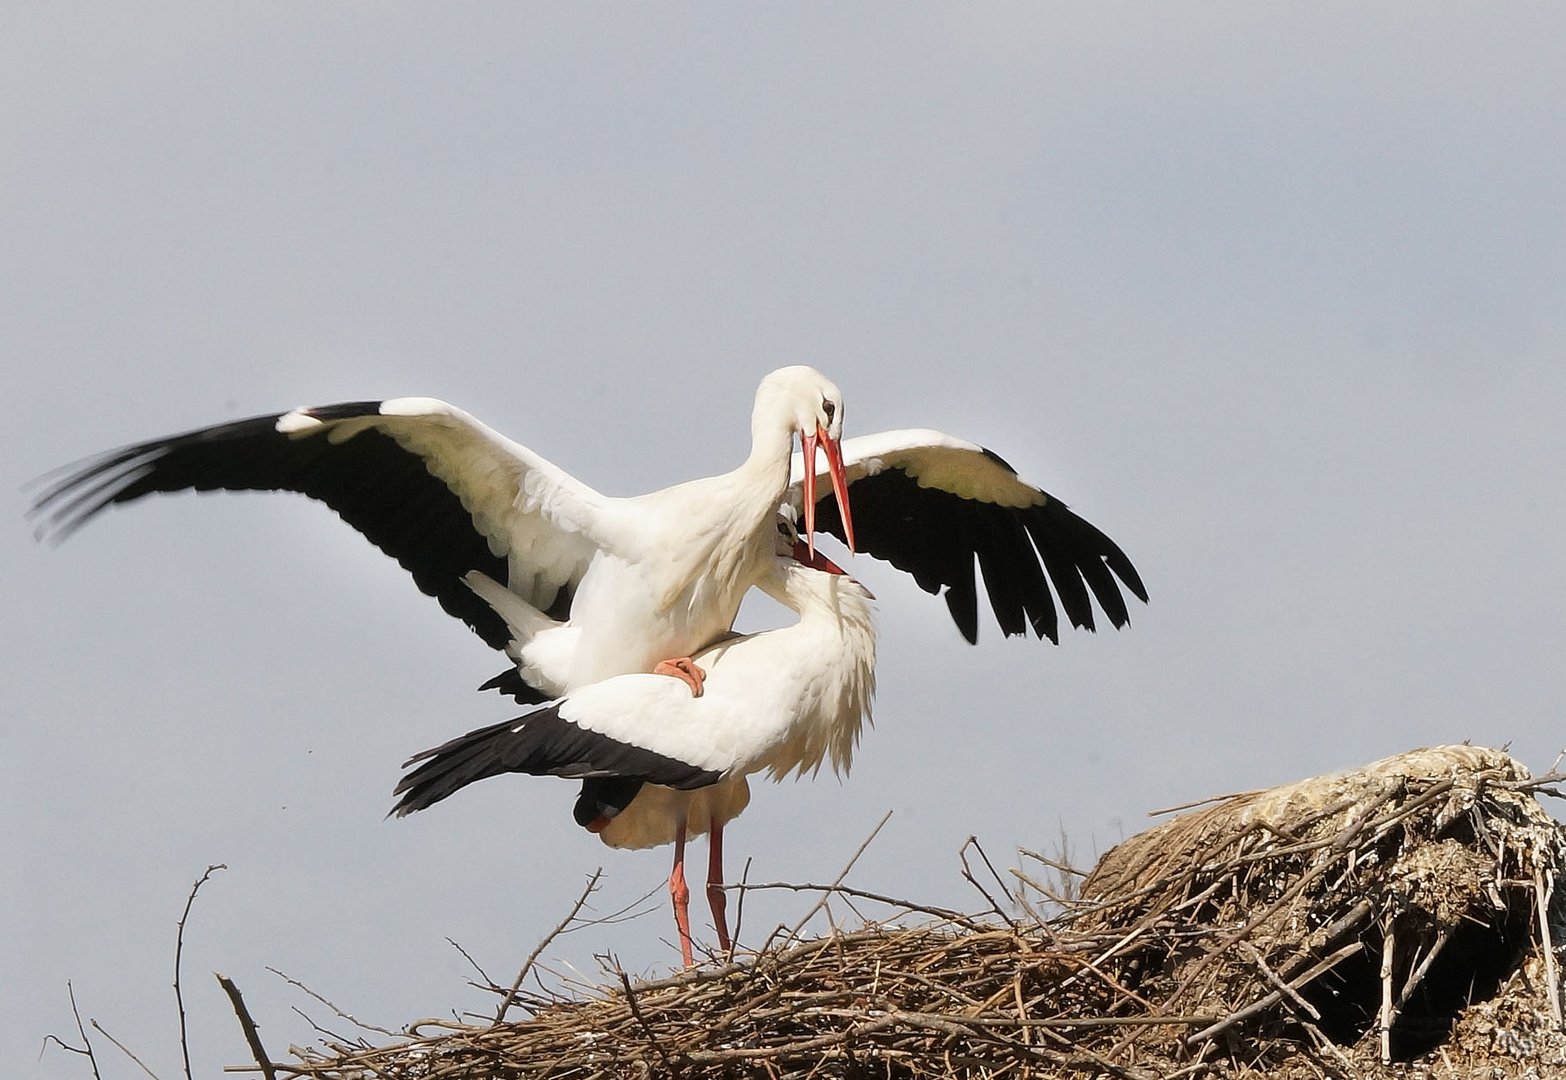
<point x="681" y="895"/>
<point x="684" y="668"/>
<point x="716" y="897"/>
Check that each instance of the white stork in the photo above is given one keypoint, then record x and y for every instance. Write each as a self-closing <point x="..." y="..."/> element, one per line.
<point x="659" y="765"/>
<point x="646" y="580"/>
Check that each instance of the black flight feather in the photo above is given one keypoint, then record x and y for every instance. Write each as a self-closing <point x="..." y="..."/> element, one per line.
<point x="376" y="486"/>
<point x="542" y="743"/>
<point x="943" y="540"/>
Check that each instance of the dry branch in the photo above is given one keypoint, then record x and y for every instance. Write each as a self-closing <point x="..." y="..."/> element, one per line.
<point x="179" y="952"/>
<point x="248" y="1025"/>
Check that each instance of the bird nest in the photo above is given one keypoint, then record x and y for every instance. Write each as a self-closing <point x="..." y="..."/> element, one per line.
<point x="1395" y="920"/>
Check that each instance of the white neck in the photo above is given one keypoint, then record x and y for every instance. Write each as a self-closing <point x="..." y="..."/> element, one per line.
<point x="771" y="442"/>
<point x="836" y="619"/>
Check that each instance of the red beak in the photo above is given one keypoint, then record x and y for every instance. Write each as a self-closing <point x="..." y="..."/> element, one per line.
<point x="803" y="554"/>
<point x="834" y="456"/>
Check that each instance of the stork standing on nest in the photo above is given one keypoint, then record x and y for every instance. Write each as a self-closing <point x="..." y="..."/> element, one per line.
<point x="659" y="765"/>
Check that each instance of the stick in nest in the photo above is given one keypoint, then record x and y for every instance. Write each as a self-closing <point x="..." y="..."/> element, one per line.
<point x="819" y="904"/>
<point x="341" y="1014"/>
<point x="516" y="984"/>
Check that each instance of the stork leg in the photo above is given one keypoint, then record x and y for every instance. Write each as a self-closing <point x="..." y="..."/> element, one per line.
<point x="685" y="669"/>
<point x="717" y="899"/>
<point x="681" y="894"/>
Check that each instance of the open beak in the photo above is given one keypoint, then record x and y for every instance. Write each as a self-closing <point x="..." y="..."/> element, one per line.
<point x="816" y="561"/>
<point x="834" y="456"/>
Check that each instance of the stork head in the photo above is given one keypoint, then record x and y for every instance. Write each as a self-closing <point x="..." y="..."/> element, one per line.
<point x="812" y="405"/>
<point x="803" y="398"/>
<point x="790" y="546"/>
<point x="790" y="550"/>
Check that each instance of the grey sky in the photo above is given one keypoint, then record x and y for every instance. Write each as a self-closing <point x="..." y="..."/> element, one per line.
<point x="1273" y="297"/>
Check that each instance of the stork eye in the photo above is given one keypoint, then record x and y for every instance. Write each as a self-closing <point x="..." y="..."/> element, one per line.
<point x="828" y="408"/>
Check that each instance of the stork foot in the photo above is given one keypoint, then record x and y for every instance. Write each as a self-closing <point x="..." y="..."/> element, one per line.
<point x="685" y="669"/>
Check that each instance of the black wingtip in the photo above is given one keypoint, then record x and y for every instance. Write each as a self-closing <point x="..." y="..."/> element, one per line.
<point x="1043" y="566"/>
<point x="1121" y="565"/>
<point x="962" y="600"/>
<point x="380" y="488"/>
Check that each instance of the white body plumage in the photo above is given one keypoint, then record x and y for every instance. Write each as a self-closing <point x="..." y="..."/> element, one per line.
<point x="782" y="701"/>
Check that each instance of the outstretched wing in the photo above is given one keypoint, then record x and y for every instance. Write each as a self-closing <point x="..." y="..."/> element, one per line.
<point x="932" y="504"/>
<point x="425" y="482"/>
<point x="542" y="743"/>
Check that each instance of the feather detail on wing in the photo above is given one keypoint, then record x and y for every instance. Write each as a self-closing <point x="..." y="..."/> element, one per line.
<point x="424" y="481"/>
<point x="542" y="743"/>
<point x="932" y="505"/>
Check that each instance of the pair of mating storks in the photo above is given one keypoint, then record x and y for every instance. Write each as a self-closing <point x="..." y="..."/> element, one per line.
<point x="597" y="599"/>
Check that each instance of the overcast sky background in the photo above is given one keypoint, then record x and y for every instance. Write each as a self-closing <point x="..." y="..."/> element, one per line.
<point x="1275" y="297"/>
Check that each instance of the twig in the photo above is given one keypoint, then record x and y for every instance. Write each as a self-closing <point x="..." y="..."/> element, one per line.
<point x="1275" y="996"/>
<point x="967" y="873"/>
<point x="1411" y="984"/>
<point x="516" y="984"/>
<point x="86" y="1043"/>
<point x="346" y="1016"/>
<point x="123" y="1048"/>
<point x="1542" y="893"/>
<point x="179" y="949"/>
<point x="1194" y="803"/>
<point x="488" y="982"/>
<point x="626" y="913"/>
<point x="1060" y="865"/>
<point x="1119" y="944"/>
<point x="1029" y="908"/>
<point x="248" y="1025"/>
<point x="946" y="914"/>
<point x="1021" y="1005"/>
<point x="86" y="1047"/>
<point x="62" y="1044"/>
<point x="652" y="1036"/>
<point x="327" y="1032"/>
<point x="739" y="911"/>
<point x="1388" y="952"/>
<point x="1554" y="776"/>
<point x="1272" y="977"/>
<point x="1352" y="918"/>
<point x="841" y="875"/>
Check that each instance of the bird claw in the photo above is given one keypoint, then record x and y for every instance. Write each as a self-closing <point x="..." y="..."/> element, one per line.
<point x="684" y="669"/>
